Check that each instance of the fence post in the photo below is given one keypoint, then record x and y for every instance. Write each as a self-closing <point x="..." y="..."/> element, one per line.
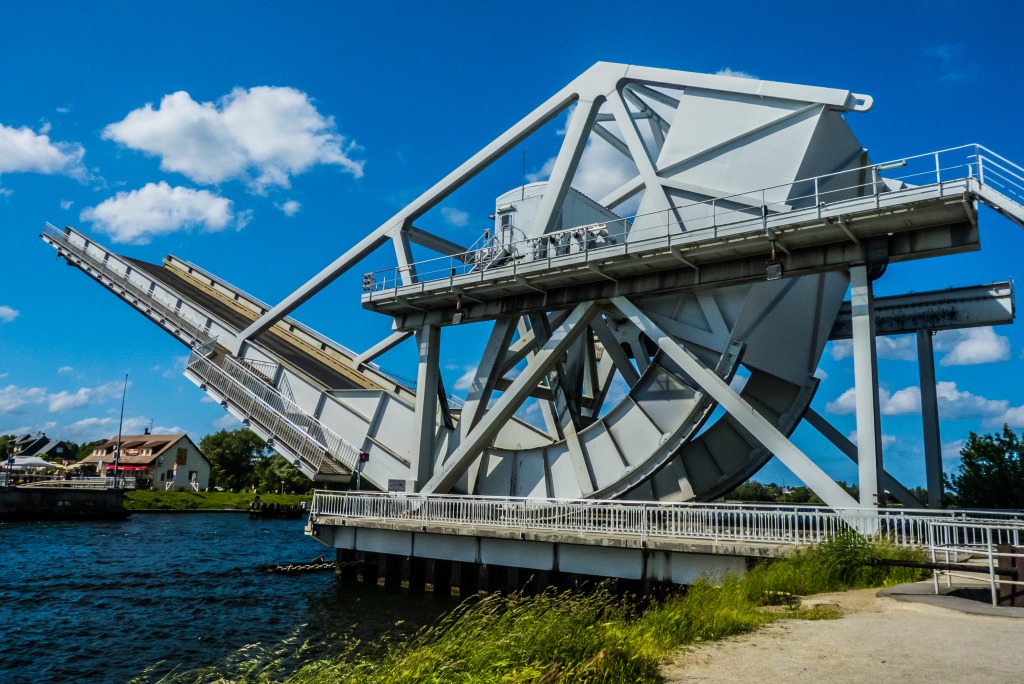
<point x="991" y="567"/>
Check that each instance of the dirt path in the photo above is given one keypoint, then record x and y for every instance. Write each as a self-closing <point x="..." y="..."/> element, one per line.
<point x="877" y="639"/>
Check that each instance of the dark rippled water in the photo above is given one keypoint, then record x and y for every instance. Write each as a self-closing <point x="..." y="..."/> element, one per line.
<point x="104" y="601"/>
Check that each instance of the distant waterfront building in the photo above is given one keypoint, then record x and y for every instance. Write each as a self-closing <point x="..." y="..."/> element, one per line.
<point x="42" y="446"/>
<point x="160" y="461"/>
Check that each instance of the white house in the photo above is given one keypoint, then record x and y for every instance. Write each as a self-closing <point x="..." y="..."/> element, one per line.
<point x="160" y="461"/>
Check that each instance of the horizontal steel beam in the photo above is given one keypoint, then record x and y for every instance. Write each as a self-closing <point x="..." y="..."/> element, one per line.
<point x="962" y="307"/>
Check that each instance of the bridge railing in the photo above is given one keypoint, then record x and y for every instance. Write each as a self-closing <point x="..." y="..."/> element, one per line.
<point x="941" y="172"/>
<point x="715" y="522"/>
<point x="196" y="330"/>
<point x="311" y="441"/>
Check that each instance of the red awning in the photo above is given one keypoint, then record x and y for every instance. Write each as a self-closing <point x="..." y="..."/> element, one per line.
<point x="127" y="467"/>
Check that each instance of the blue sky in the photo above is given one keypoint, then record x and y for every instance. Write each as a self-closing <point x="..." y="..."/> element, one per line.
<point x="321" y="120"/>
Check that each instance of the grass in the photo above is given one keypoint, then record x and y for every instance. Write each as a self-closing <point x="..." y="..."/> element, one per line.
<point x="199" y="501"/>
<point x="589" y="638"/>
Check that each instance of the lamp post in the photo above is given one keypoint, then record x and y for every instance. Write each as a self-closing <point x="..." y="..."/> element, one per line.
<point x="120" y="424"/>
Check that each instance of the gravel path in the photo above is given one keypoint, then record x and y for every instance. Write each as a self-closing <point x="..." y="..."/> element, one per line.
<point x="877" y="639"/>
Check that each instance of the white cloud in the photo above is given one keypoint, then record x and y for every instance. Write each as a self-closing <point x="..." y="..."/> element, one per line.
<point x="65" y="369"/>
<point x="7" y="314"/>
<point x="887" y="440"/>
<point x="820" y="373"/>
<point x="954" y="404"/>
<point x="734" y="73"/>
<point x="972" y="346"/>
<point x="289" y="208"/>
<point x="455" y="217"/>
<point x="13" y="397"/>
<point x="64" y="400"/>
<point x="1014" y="417"/>
<point x="226" y="422"/>
<point x="24" y="150"/>
<point x="66" y="204"/>
<point x="88" y="429"/>
<point x="739" y="381"/>
<point x="951" y="453"/>
<point x="137" y="216"/>
<point x="263" y="135"/>
<point x="465" y="380"/>
<point x="601" y="170"/>
<point x="897" y="348"/>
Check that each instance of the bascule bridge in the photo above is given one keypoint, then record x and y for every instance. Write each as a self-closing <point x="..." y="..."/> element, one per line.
<point x="669" y="332"/>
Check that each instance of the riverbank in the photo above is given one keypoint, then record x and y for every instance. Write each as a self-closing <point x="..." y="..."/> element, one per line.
<point x="582" y="637"/>
<point x="877" y="639"/>
<point x="163" y="501"/>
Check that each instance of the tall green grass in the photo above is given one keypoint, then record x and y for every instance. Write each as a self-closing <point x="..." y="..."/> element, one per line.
<point x="588" y="638"/>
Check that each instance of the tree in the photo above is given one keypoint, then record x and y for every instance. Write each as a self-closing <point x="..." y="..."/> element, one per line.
<point x="271" y="472"/>
<point x="991" y="472"/>
<point x="86" y="448"/>
<point x="233" y="456"/>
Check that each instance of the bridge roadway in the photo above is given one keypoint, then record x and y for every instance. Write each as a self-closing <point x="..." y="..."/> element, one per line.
<point x="633" y="541"/>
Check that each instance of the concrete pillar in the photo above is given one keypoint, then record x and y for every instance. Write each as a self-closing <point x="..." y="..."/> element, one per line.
<point x="469" y="579"/>
<point x="865" y="371"/>
<point x="346" y="568"/>
<point x="930" y="418"/>
<point x="417" y="574"/>
<point x="391" y="568"/>
<point x="371" y="568"/>
<point x="442" y="577"/>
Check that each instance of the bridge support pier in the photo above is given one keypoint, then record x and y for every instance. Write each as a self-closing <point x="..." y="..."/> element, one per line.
<point x="442" y="577"/>
<point x="391" y="568"/>
<point x="417" y="574"/>
<point x="469" y="579"/>
<point x="371" y="568"/>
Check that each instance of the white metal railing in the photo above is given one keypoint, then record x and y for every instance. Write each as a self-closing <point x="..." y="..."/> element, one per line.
<point x="194" y="328"/>
<point x="987" y="542"/>
<point x="297" y="431"/>
<point x="951" y="534"/>
<point x="950" y="170"/>
<point x="717" y="522"/>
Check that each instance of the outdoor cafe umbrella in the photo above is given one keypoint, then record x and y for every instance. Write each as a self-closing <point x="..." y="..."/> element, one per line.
<point x="31" y="463"/>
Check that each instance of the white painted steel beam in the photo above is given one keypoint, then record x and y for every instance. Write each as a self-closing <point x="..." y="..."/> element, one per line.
<point x="478" y="438"/>
<point x="865" y="371"/>
<point x="385" y="345"/>
<point x="766" y="433"/>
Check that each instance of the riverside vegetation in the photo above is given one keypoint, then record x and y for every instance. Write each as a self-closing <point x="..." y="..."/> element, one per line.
<point x="576" y="637"/>
<point x="143" y="500"/>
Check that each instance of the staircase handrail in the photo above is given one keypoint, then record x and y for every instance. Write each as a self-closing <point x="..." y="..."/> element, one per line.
<point x="197" y="331"/>
<point x="257" y="388"/>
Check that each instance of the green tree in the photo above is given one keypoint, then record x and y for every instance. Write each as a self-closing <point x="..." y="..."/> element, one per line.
<point x="270" y="473"/>
<point x="233" y="457"/>
<point x="86" y="448"/>
<point x="7" y="445"/>
<point x="991" y="472"/>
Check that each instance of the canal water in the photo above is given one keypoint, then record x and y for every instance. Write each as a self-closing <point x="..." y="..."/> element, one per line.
<point x="160" y="593"/>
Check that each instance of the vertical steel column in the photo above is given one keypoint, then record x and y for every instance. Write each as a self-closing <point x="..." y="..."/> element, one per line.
<point x="930" y="418"/>
<point x="428" y="340"/>
<point x="865" y="371"/>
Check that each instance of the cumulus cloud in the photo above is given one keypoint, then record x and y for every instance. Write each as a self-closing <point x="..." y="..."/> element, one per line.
<point x="22" y="150"/>
<point x="263" y="135"/>
<point x="971" y="346"/>
<point x="289" y="208"/>
<point x="7" y="314"/>
<point x="226" y="422"/>
<point x="1012" y="416"/>
<point x="898" y="348"/>
<point x="954" y="403"/>
<point x="64" y="400"/>
<point x="137" y="216"/>
<point x="89" y="429"/>
<point x="465" y="380"/>
<point x="887" y="440"/>
<point x="13" y="398"/>
<point x="455" y="217"/>
<point x="735" y="73"/>
<point x="601" y="170"/>
<point x="66" y="204"/>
